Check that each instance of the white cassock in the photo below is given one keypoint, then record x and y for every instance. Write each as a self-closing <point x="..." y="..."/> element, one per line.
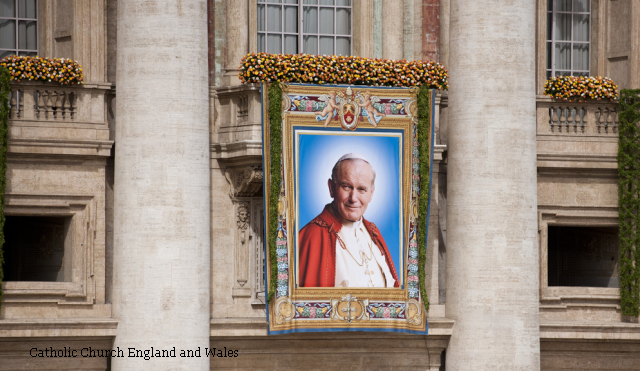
<point x="361" y="264"/>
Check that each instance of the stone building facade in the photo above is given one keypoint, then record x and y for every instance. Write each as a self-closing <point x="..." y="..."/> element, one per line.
<point x="149" y="177"/>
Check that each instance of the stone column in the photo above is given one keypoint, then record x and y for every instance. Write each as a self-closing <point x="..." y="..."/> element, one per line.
<point x="162" y="226"/>
<point x="492" y="248"/>
<point x="392" y="29"/>
<point x="237" y="39"/>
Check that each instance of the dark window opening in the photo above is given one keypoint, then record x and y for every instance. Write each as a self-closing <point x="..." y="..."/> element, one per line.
<point x="34" y="248"/>
<point x="583" y="256"/>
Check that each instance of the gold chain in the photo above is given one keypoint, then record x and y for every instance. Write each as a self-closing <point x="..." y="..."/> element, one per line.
<point x="364" y="255"/>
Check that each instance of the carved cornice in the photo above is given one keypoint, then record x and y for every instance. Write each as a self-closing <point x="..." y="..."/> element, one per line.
<point x="45" y="147"/>
<point x="245" y="181"/>
<point x="237" y="149"/>
<point x="233" y="90"/>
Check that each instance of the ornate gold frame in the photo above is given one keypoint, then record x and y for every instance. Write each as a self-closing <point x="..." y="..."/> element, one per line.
<point x="358" y="303"/>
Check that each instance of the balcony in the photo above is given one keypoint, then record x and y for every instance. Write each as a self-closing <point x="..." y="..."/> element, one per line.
<point x="49" y="118"/>
<point x="577" y="134"/>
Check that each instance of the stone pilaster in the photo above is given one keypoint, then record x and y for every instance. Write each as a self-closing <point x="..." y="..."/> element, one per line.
<point x="431" y="30"/>
<point x="392" y="29"/>
<point x="492" y="248"/>
<point x="161" y="207"/>
<point x="237" y="39"/>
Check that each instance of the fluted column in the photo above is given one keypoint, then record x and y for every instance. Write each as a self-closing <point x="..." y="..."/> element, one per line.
<point x="161" y="232"/>
<point x="237" y="42"/>
<point x="492" y="248"/>
<point x="392" y="29"/>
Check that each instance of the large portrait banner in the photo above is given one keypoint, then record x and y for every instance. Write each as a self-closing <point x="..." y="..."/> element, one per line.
<point x="345" y="232"/>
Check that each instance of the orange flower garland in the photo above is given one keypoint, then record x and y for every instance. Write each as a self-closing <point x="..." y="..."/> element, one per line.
<point x="581" y="88"/>
<point x="318" y="69"/>
<point x="63" y="71"/>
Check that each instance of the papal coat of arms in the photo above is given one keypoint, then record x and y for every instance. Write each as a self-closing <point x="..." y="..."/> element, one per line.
<point x="350" y="108"/>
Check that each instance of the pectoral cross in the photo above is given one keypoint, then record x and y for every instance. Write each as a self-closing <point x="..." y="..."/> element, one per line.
<point x="348" y="310"/>
<point x="367" y="271"/>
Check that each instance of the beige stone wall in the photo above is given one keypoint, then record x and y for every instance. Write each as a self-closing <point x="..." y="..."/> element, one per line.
<point x="575" y="355"/>
<point x="355" y="351"/>
<point x="15" y="353"/>
<point x="75" y="29"/>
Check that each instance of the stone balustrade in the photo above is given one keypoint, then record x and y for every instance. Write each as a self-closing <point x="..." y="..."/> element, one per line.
<point x="33" y="101"/>
<point x="50" y="104"/>
<point x="582" y="118"/>
<point x="58" y="119"/>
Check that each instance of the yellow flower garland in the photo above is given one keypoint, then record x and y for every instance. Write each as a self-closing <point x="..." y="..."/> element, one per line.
<point x="63" y="71"/>
<point x="581" y="88"/>
<point x="319" y="69"/>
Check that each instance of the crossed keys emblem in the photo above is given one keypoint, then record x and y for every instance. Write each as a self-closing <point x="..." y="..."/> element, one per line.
<point x="353" y="307"/>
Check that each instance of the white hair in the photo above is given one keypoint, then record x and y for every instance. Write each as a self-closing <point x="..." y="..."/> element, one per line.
<point x="351" y="157"/>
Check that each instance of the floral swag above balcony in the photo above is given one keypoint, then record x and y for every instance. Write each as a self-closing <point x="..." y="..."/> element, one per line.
<point x="319" y="69"/>
<point x="60" y="70"/>
<point x="581" y="88"/>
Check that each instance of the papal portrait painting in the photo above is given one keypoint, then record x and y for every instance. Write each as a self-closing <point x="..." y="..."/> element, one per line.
<point x="349" y="196"/>
<point x="342" y="169"/>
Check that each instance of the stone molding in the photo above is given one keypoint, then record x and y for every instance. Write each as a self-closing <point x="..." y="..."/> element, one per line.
<point x="58" y="328"/>
<point x="80" y="287"/>
<point x="589" y="330"/>
<point x="100" y="148"/>
<point x="585" y="163"/>
<point x="245" y="181"/>
<point x="561" y="302"/>
<point x="236" y="149"/>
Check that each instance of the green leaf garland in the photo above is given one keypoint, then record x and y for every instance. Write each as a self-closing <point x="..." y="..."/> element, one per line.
<point x="5" y="76"/>
<point x="275" y="143"/>
<point x="629" y="201"/>
<point x="423" y="199"/>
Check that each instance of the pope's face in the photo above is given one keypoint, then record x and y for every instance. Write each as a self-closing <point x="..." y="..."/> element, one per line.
<point x="353" y="189"/>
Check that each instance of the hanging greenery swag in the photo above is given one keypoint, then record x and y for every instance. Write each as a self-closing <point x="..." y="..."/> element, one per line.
<point x="5" y="76"/>
<point x="629" y="201"/>
<point x="423" y="199"/>
<point x="275" y="144"/>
